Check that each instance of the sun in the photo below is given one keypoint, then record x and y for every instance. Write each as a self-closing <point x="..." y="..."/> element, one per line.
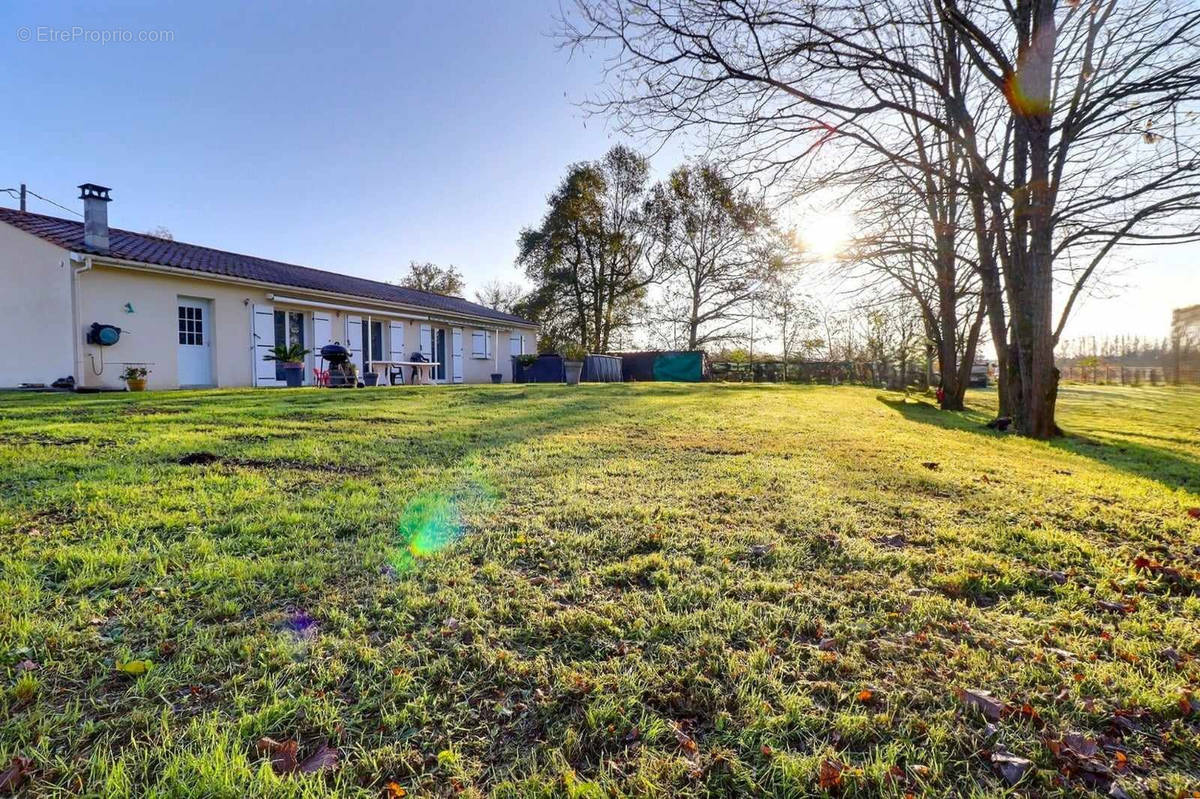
<point x="826" y="233"/>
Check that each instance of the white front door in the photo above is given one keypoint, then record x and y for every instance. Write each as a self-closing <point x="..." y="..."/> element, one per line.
<point x="195" y="342"/>
<point x="456" y="355"/>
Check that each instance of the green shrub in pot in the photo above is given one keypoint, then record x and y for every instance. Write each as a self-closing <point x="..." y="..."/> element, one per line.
<point x="135" y="377"/>
<point x="291" y="357"/>
<point x="573" y="355"/>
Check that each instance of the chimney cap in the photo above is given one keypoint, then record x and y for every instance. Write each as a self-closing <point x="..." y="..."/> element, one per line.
<point x="93" y="191"/>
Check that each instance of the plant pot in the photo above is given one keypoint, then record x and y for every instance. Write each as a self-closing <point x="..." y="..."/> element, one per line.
<point x="136" y="383"/>
<point x="573" y="370"/>
<point x="371" y="379"/>
<point x="497" y="377"/>
<point x="293" y="374"/>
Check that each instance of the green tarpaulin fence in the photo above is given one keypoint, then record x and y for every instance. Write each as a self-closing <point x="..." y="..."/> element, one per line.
<point x="679" y="366"/>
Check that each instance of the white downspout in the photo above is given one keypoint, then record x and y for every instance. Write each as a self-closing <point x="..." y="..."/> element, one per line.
<point x="76" y="324"/>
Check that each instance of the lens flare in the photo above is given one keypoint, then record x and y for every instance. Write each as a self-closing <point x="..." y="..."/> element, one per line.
<point x="433" y="519"/>
<point x="430" y="523"/>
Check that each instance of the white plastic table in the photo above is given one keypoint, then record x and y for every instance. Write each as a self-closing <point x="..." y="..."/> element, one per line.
<point x="424" y="370"/>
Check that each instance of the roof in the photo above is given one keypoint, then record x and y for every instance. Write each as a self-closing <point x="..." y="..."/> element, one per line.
<point x="143" y="248"/>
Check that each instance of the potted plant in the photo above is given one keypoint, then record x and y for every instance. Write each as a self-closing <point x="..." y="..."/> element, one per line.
<point x="291" y="357"/>
<point x="135" y="377"/>
<point x="573" y="355"/>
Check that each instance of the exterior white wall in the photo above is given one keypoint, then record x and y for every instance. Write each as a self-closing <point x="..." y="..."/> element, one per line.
<point x="36" y="331"/>
<point x="151" y="335"/>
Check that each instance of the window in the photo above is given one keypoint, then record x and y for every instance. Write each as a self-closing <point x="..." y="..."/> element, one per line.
<point x="516" y="344"/>
<point x="289" y="329"/>
<point x="481" y="344"/>
<point x="377" y="353"/>
<point x="191" y="326"/>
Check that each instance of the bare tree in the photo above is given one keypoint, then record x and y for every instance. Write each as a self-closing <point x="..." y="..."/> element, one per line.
<point x="716" y="247"/>
<point x="503" y="297"/>
<point x="1075" y="122"/>
<point x="430" y="277"/>
<point x="793" y="313"/>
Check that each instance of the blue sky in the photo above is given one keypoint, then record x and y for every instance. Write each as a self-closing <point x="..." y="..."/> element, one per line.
<point x="354" y="136"/>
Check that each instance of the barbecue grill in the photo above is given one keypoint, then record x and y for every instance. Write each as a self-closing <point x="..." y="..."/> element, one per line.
<point x="341" y="371"/>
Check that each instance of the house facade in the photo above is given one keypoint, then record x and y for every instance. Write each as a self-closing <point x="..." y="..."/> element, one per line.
<point x="199" y="317"/>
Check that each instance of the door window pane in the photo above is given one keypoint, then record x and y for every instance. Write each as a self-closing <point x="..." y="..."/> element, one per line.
<point x="376" y="341"/>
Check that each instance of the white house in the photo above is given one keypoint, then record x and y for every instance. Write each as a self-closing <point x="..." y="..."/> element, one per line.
<point x="196" y="316"/>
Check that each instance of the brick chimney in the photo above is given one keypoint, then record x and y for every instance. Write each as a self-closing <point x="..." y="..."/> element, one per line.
<point x="95" y="215"/>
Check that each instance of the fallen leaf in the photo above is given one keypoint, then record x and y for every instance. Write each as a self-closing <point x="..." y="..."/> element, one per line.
<point x="761" y="550"/>
<point x="932" y="466"/>
<point x="1194" y="513"/>
<point x="1010" y="767"/>
<point x="393" y="791"/>
<point x="827" y="645"/>
<point x="767" y="751"/>
<point x="134" y="668"/>
<point x="1114" y="607"/>
<point x="830" y="775"/>
<point x="982" y="701"/>
<point x="865" y="695"/>
<point x="633" y="734"/>
<point x="283" y="754"/>
<point x="684" y="740"/>
<point x="14" y="776"/>
<point x="1056" y="577"/>
<point x="326" y="757"/>
<point x="27" y="665"/>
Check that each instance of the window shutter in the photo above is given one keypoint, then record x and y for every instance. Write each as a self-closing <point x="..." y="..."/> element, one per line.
<point x="396" y="331"/>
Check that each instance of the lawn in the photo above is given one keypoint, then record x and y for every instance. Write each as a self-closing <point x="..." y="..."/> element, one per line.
<point x="646" y="589"/>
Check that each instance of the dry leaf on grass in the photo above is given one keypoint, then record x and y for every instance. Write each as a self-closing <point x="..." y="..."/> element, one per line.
<point x="14" y="776"/>
<point x="830" y="775"/>
<point x="325" y="757"/>
<point x="1010" y="767"/>
<point x="991" y="708"/>
<point x="684" y="740"/>
<point x="283" y="754"/>
<point x="393" y="790"/>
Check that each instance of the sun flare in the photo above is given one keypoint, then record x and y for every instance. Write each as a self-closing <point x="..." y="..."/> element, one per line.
<point x="826" y="234"/>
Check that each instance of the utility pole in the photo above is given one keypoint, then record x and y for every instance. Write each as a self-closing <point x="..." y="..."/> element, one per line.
<point x="22" y="198"/>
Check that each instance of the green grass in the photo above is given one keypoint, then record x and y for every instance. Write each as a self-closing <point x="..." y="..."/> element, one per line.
<point x="609" y="590"/>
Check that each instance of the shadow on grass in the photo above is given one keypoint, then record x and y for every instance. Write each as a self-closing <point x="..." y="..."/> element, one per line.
<point x="1171" y="468"/>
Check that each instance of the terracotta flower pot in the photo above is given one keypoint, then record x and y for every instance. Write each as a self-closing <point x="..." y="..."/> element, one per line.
<point x="136" y="383"/>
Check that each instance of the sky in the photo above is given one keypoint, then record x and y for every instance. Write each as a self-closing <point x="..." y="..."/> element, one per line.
<point x="351" y="136"/>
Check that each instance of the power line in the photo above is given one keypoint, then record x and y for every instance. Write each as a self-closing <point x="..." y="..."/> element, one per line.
<point x="15" y="194"/>
<point x="57" y="205"/>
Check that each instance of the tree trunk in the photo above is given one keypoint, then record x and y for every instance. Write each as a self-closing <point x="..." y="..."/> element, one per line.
<point x="1030" y="101"/>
